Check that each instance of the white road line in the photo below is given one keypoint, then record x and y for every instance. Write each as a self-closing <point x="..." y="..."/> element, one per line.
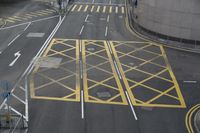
<point x="81" y="69"/>
<point x="106" y="32"/>
<point x="29" y="22"/>
<point x="80" y="48"/>
<point x="81" y="30"/>
<point x="82" y="105"/>
<point x="109" y="48"/>
<point x="108" y="18"/>
<point x="133" y="111"/>
<point x="27" y="26"/>
<point x="86" y="18"/>
<point x="14" y="39"/>
<point x="190" y="81"/>
<point x="117" y="70"/>
<point x="26" y="98"/>
<point x="110" y="1"/>
<point x="18" y="98"/>
<point x="92" y="1"/>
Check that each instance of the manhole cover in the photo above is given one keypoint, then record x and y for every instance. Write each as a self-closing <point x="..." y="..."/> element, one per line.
<point x="35" y="34"/>
<point x="49" y="62"/>
<point x="104" y="94"/>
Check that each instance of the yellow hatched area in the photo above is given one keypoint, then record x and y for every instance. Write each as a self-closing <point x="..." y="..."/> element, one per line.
<point x="60" y="82"/>
<point x="147" y="74"/>
<point x="101" y="83"/>
<point x="30" y="15"/>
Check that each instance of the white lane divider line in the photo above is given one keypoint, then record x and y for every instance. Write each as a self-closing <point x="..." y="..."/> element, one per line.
<point x="117" y="70"/>
<point x="109" y="48"/>
<point x="14" y="39"/>
<point x="81" y="68"/>
<point x="86" y="18"/>
<point x="80" y="48"/>
<point x="133" y="111"/>
<point x="81" y="30"/>
<point x="106" y="32"/>
<point x="82" y="104"/>
<point x="108" y="18"/>
<point x="27" y="26"/>
<point x="190" y="81"/>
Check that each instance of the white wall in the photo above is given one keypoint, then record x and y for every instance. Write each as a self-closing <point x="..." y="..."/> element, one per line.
<point x="177" y="18"/>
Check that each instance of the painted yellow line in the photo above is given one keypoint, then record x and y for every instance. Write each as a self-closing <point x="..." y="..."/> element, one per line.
<point x="74" y="8"/>
<point x="92" y="8"/>
<point x="181" y="99"/>
<point x="116" y="9"/>
<point x="110" y="11"/>
<point x="79" y="9"/>
<point x="38" y="14"/>
<point x="86" y="7"/>
<point x="52" y="10"/>
<point x="104" y="9"/>
<point x="98" y="9"/>
<point x="122" y="9"/>
<point x="188" y="118"/>
<point x="31" y="15"/>
<point x="77" y="91"/>
<point x="14" y="19"/>
<point x="11" y="21"/>
<point x="54" y="98"/>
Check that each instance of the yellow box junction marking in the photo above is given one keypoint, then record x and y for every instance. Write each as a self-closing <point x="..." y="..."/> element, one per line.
<point x="148" y="77"/>
<point x="92" y="83"/>
<point x="138" y="89"/>
<point x="47" y="85"/>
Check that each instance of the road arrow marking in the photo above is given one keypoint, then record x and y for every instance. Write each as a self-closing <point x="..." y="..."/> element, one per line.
<point x="17" y="55"/>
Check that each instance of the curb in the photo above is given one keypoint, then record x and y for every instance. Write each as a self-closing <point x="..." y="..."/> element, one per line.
<point x="146" y="38"/>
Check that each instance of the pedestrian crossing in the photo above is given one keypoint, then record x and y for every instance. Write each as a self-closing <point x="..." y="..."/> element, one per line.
<point x="29" y="16"/>
<point x="117" y="9"/>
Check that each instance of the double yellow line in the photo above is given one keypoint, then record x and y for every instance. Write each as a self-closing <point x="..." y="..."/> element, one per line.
<point x="188" y="118"/>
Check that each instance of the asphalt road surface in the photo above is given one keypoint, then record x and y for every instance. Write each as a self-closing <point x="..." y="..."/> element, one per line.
<point x="95" y="76"/>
